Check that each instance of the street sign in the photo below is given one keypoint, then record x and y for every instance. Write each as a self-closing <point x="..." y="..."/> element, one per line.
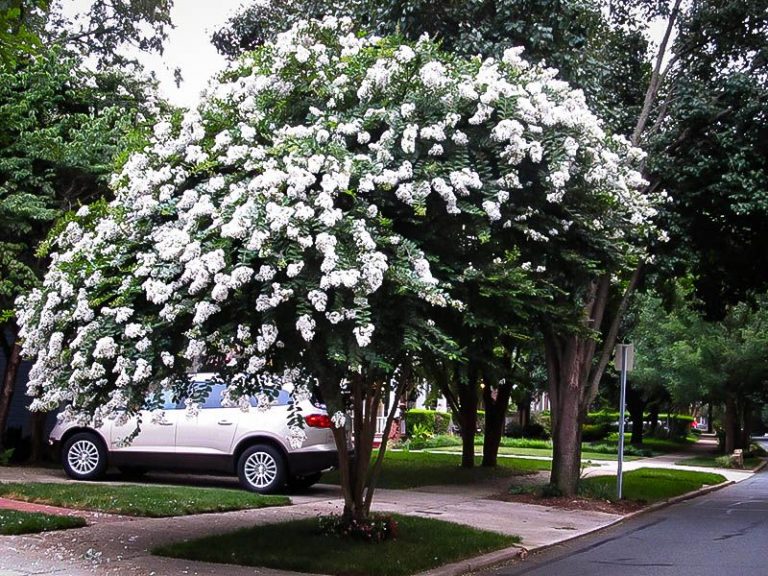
<point x="618" y="356"/>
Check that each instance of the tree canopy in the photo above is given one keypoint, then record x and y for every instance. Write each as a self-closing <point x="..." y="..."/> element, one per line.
<point x="297" y="219"/>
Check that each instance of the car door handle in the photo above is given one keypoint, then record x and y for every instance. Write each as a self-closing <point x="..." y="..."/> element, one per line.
<point x="224" y="423"/>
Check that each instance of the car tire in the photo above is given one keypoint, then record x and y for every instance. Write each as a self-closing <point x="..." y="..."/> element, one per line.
<point x="261" y="468"/>
<point x="305" y="481"/>
<point x="84" y="457"/>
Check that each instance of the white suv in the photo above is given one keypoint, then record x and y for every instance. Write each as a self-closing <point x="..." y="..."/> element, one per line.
<point x="253" y="444"/>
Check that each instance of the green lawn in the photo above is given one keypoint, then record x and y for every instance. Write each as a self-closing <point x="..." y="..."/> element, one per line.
<point x="547" y="452"/>
<point x="413" y="469"/>
<point x="152" y="501"/>
<point x="649" y="485"/>
<point x="422" y="543"/>
<point x="15" y="522"/>
<point x="712" y="462"/>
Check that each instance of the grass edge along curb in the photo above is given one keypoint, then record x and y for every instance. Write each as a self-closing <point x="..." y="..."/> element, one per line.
<point x="138" y="500"/>
<point x="38" y="522"/>
<point x="423" y="544"/>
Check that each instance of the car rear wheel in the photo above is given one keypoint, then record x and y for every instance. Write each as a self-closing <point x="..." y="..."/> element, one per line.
<point x="84" y="457"/>
<point x="261" y="468"/>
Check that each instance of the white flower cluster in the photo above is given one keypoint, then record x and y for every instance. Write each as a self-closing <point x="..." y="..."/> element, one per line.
<point x="245" y="240"/>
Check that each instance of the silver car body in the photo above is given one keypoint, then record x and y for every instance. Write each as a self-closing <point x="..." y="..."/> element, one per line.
<point x="213" y="438"/>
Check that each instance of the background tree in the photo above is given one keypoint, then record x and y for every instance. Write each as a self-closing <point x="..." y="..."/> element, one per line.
<point x="61" y="126"/>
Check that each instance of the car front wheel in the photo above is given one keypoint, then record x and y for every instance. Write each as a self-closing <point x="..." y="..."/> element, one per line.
<point x="84" y="457"/>
<point x="261" y="469"/>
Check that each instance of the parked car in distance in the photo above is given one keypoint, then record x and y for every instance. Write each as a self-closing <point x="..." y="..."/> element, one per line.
<point x="252" y="444"/>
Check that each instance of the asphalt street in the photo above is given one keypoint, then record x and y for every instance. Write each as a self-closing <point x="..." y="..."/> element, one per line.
<point x="724" y="533"/>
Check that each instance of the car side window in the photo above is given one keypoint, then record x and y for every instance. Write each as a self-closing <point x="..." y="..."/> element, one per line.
<point x="214" y="397"/>
<point x="283" y="398"/>
<point x="168" y="401"/>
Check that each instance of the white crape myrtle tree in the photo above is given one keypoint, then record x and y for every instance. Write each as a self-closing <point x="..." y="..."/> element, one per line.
<point x="306" y="222"/>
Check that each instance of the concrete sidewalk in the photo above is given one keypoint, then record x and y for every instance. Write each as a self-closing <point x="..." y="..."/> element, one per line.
<point x="121" y="546"/>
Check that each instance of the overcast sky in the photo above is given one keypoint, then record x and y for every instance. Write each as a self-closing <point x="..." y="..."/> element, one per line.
<point x="188" y="46"/>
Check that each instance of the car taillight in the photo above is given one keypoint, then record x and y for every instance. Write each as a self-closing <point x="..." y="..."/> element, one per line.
<point x="318" y="420"/>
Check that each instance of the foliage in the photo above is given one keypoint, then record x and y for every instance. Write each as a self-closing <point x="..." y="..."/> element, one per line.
<point x="5" y="456"/>
<point x="709" y="153"/>
<point x="15" y="522"/>
<point x="533" y="430"/>
<point x="604" y="56"/>
<point x="649" y="485"/>
<point x="61" y="127"/>
<point x="422" y="543"/>
<point x="431" y="421"/>
<point x="149" y="501"/>
<point x="594" y="432"/>
<point x="18" y="39"/>
<point x="298" y="218"/>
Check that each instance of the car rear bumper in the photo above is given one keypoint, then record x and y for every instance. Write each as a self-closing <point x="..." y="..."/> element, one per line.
<point x="301" y="463"/>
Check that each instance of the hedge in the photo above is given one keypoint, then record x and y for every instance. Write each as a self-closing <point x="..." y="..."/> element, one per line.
<point x="434" y="421"/>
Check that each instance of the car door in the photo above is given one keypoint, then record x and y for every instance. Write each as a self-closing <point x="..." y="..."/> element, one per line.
<point x="155" y="442"/>
<point x="204" y="440"/>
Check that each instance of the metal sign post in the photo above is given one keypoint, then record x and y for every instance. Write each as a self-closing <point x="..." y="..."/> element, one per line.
<point x="624" y="360"/>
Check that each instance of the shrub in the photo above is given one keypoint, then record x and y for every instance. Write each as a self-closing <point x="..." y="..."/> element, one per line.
<point x="532" y="430"/>
<point x="428" y="420"/>
<point x="594" y="432"/>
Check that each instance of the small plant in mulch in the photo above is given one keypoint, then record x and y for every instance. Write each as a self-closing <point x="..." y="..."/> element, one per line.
<point x="377" y="528"/>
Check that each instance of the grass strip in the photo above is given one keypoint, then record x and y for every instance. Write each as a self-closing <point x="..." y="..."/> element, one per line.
<point x="414" y="469"/>
<point x="422" y="543"/>
<point x="14" y="522"/>
<point x="649" y="485"/>
<point x="139" y="500"/>
<point x="716" y="462"/>
<point x="546" y="452"/>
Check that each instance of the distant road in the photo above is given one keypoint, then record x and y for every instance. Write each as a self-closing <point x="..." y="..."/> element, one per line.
<point x="724" y="533"/>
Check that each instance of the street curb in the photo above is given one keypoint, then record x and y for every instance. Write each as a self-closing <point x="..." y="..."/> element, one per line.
<point x="521" y="552"/>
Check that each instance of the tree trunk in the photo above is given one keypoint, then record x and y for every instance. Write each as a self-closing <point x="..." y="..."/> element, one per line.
<point x="468" y="414"/>
<point x="746" y="430"/>
<point x="653" y="416"/>
<point x="731" y="424"/>
<point x="9" y="383"/>
<point x="524" y="412"/>
<point x="566" y="448"/>
<point x="636" y="406"/>
<point x="496" y="400"/>
<point x="709" y="418"/>
<point x="38" y="447"/>
<point x="573" y="379"/>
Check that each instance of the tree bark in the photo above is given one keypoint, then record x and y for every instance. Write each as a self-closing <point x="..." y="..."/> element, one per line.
<point x="468" y="413"/>
<point x="9" y="382"/>
<point x="731" y="424"/>
<point x="573" y="384"/>
<point x="636" y="406"/>
<point x="746" y="430"/>
<point x="653" y="416"/>
<point x="524" y="412"/>
<point x="496" y="401"/>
